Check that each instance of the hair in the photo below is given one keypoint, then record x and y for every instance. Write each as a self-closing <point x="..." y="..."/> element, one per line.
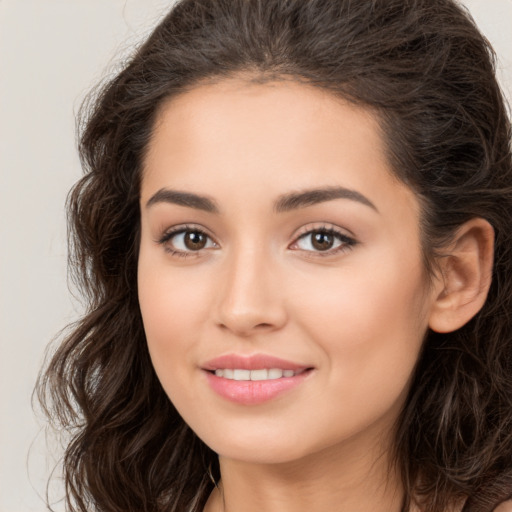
<point x="429" y="75"/>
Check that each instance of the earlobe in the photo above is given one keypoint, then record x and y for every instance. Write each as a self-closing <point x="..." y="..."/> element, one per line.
<point x="464" y="277"/>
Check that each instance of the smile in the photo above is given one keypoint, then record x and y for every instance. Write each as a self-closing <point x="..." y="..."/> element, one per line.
<point x="261" y="374"/>
<point x="254" y="379"/>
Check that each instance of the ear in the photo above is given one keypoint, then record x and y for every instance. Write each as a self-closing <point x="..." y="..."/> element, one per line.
<point x="464" y="278"/>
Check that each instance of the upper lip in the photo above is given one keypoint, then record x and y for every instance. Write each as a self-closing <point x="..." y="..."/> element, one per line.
<point x="252" y="362"/>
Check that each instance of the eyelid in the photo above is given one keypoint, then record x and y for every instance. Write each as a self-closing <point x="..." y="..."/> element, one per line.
<point x="179" y="228"/>
<point x="348" y="241"/>
<point x="172" y="231"/>
<point x="323" y="226"/>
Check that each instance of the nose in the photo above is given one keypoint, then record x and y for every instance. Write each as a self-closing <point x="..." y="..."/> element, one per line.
<point x="251" y="297"/>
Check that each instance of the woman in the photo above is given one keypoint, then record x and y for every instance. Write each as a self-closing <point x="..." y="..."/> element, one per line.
<point x="294" y="234"/>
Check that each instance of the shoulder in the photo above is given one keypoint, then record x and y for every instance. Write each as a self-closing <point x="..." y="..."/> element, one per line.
<point x="506" y="506"/>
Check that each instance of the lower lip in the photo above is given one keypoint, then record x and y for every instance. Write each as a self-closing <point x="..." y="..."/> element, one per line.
<point x="252" y="392"/>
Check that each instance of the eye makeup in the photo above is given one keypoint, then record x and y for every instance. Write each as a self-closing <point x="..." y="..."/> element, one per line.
<point x="186" y="240"/>
<point x="323" y="241"/>
<point x="319" y="240"/>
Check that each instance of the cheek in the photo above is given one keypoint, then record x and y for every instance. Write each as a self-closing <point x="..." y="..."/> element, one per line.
<point x="171" y="304"/>
<point x="369" y="323"/>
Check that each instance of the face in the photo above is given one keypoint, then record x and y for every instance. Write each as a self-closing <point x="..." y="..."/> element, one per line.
<point x="280" y="273"/>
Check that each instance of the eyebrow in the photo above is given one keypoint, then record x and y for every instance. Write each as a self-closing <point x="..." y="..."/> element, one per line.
<point x="187" y="199"/>
<point x="306" y="198"/>
<point x="284" y="203"/>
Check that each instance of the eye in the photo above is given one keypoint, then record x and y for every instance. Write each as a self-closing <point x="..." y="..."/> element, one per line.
<point x="185" y="240"/>
<point x="323" y="240"/>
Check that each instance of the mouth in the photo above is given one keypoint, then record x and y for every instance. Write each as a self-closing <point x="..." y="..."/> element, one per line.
<point x="241" y="374"/>
<point x="250" y="380"/>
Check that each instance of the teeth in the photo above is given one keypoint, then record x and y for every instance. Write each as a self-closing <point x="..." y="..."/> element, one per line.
<point x="242" y="374"/>
<point x="261" y="374"/>
<point x="275" y="373"/>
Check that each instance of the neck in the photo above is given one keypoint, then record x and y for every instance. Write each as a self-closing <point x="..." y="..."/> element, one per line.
<point x="338" y="478"/>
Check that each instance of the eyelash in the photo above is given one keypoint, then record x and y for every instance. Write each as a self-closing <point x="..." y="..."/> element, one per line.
<point x="168" y="235"/>
<point x="346" y="242"/>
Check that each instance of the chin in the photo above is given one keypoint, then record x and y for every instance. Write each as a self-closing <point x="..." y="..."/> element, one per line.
<point x="263" y="456"/>
<point x="257" y="448"/>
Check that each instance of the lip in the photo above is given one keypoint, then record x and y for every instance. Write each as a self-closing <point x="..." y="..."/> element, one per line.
<point x="252" y="362"/>
<point x="247" y="392"/>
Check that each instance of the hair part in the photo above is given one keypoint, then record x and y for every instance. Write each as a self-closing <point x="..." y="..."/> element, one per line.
<point x="429" y="74"/>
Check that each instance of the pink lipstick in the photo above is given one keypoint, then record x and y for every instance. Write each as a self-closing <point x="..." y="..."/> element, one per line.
<point x="253" y="379"/>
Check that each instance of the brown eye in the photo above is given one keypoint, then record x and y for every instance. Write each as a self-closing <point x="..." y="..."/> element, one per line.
<point x="322" y="241"/>
<point x="186" y="241"/>
<point x="327" y="241"/>
<point x="195" y="240"/>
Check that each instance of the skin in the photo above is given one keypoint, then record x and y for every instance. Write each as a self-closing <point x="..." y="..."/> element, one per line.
<point x="356" y="316"/>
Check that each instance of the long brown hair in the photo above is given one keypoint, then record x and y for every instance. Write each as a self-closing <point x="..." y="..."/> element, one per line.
<point x="429" y="74"/>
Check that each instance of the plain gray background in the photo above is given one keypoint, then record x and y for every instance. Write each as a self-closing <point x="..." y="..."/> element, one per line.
<point x="51" y="53"/>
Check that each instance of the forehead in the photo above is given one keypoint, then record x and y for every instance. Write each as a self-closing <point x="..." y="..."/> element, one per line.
<point x="270" y="137"/>
<point x="276" y="112"/>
